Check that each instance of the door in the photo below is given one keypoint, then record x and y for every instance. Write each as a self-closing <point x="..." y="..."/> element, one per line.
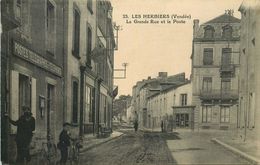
<point x="50" y="112"/>
<point x="182" y="120"/>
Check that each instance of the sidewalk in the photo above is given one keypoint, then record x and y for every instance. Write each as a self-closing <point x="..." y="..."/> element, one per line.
<point x="91" y="141"/>
<point x="249" y="149"/>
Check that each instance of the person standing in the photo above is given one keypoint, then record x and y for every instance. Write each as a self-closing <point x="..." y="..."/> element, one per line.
<point x="25" y="127"/>
<point x="162" y="126"/>
<point x="64" y="143"/>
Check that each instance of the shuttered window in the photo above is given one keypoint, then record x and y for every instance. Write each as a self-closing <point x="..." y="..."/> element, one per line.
<point x="208" y="56"/>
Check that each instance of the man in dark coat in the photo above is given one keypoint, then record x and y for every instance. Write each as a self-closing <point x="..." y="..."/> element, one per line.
<point x="25" y="127"/>
<point x="64" y="143"/>
<point x="162" y="126"/>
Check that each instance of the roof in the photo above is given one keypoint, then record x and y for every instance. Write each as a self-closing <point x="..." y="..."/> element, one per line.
<point x="176" y="86"/>
<point x="224" y="18"/>
<point x="166" y="89"/>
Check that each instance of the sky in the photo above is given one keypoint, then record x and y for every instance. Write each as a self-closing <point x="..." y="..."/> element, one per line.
<point x="151" y="48"/>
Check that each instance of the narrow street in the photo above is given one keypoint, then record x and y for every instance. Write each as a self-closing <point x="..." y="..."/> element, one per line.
<point x="131" y="148"/>
<point x="159" y="148"/>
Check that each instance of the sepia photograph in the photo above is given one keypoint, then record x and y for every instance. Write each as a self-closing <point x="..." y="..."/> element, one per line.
<point x="130" y="82"/>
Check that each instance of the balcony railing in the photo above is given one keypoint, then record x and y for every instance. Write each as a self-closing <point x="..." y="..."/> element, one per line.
<point x="219" y="94"/>
<point x="227" y="68"/>
<point x="10" y="14"/>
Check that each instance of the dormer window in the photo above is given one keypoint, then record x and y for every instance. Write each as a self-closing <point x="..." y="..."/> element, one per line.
<point x="209" y="32"/>
<point x="227" y="32"/>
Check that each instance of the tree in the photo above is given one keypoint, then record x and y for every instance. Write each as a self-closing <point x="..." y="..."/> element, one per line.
<point x="120" y="105"/>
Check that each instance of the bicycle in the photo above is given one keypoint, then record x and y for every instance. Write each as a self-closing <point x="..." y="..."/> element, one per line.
<point x="48" y="154"/>
<point x="74" y="151"/>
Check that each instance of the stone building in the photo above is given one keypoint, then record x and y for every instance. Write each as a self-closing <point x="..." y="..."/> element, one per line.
<point x="172" y="106"/>
<point x="33" y="74"/>
<point x="215" y="72"/>
<point x="89" y="64"/>
<point x="143" y="89"/>
<point x="57" y="59"/>
<point x="249" y="91"/>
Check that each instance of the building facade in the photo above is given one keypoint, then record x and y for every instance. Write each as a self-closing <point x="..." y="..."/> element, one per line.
<point x="215" y="72"/>
<point x="89" y="65"/>
<point x="144" y="89"/>
<point x="172" y="106"/>
<point x="249" y="91"/>
<point x="58" y="59"/>
<point x="34" y="71"/>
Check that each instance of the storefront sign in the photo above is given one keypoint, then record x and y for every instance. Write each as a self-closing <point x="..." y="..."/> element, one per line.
<point x="34" y="58"/>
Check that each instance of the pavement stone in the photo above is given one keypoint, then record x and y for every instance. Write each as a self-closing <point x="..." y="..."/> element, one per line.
<point x="242" y="154"/>
<point x="195" y="147"/>
<point x="91" y="141"/>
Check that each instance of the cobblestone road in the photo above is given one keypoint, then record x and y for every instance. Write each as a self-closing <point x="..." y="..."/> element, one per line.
<point x="132" y="148"/>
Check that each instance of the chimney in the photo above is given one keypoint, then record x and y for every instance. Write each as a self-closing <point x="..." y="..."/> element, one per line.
<point x="162" y="74"/>
<point x="149" y="78"/>
<point x="195" y="27"/>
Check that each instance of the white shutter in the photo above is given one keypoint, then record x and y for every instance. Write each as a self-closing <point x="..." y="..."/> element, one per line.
<point x="14" y="106"/>
<point x="33" y="95"/>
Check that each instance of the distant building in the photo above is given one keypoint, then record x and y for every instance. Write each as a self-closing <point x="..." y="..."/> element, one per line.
<point x="249" y="87"/>
<point x="215" y="72"/>
<point x="130" y="114"/>
<point x="172" y="106"/>
<point x="143" y="89"/>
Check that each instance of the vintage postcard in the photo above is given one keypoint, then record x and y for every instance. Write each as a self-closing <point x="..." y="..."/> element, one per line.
<point x="130" y="82"/>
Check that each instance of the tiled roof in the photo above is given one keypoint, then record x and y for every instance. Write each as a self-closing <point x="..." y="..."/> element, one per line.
<point x="224" y="18"/>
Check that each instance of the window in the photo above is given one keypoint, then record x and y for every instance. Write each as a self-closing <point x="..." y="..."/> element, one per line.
<point x="227" y="32"/>
<point x="23" y="13"/>
<point x="208" y="56"/>
<point x="177" y="120"/>
<point x="105" y="109"/>
<point x="206" y="114"/>
<point x="186" y="120"/>
<point x="75" y="102"/>
<point x="24" y="92"/>
<point x="76" y="33"/>
<point x="207" y="84"/>
<point x="88" y="110"/>
<point x="226" y="56"/>
<point x="50" y="27"/>
<point x="89" y="5"/>
<point x="224" y="114"/>
<point x="226" y="84"/>
<point x="183" y="99"/>
<point x="209" y="32"/>
<point x="18" y="9"/>
<point x="89" y="46"/>
<point x="50" y="109"/>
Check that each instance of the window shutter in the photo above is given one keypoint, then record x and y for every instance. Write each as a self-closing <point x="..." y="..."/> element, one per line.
<point x="14" y="106"/>
<point x="33" y="97"/>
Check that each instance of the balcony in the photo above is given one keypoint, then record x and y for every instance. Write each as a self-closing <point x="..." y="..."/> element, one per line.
<point x="227" y="68"/>
<point x="10" y="14"/>
<point x="219" y="94"/>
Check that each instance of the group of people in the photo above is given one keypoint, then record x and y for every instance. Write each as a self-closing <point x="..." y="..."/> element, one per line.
<point x="25" y="127"/>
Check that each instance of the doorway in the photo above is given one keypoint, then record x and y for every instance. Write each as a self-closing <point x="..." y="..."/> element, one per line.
<point x="50" y="112"/>
<point x="182" y="120"/>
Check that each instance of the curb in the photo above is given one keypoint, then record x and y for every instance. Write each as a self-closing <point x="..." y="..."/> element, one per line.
<point x="98" y="144"/>
<point x="249" y="158"/>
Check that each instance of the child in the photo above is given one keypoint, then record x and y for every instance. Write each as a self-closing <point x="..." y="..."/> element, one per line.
<point x="64" y="143"/>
